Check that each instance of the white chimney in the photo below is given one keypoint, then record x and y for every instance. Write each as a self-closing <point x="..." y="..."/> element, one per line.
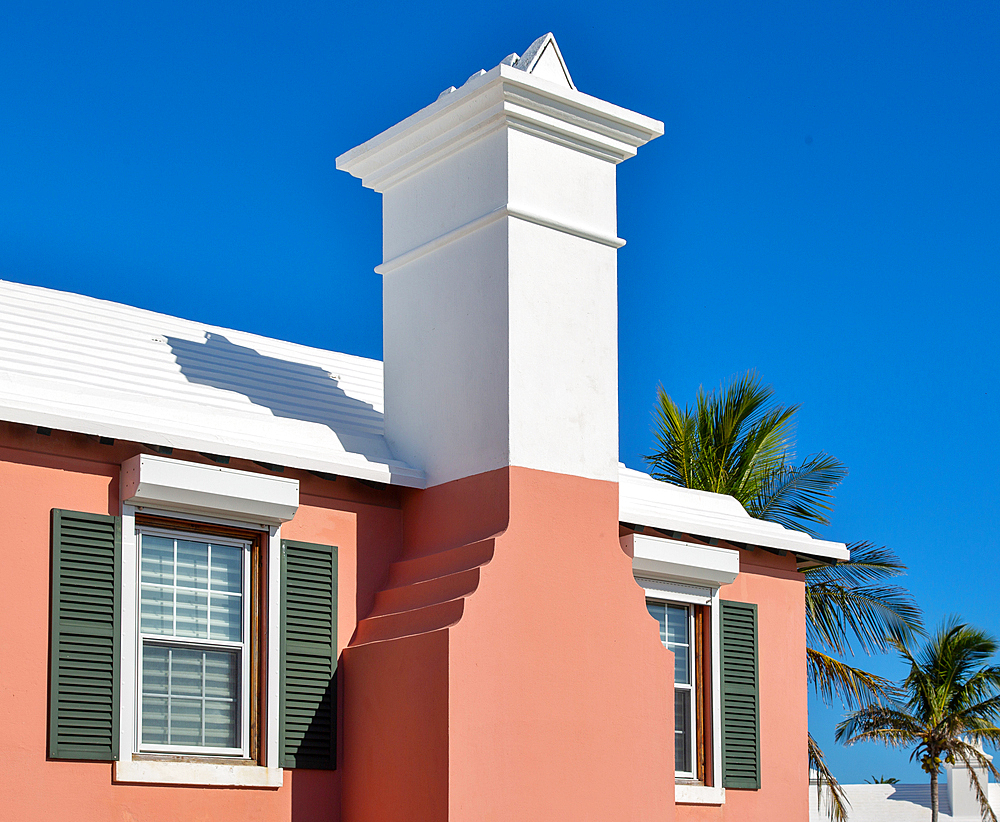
<point x="962" y="794"/>
<point x="500" y="272"/>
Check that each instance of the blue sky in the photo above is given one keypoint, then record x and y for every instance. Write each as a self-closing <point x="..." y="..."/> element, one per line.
<point x="823" y="208"/>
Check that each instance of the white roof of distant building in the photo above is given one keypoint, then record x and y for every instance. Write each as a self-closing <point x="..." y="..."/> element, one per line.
<point x="893" y="803"/>
<point x="96" y="367"/>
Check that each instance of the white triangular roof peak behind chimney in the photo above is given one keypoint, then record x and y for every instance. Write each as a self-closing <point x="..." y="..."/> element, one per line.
<point x="544" y="59"/>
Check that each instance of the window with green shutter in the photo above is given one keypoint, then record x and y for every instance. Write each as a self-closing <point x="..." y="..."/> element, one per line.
<point x="308" y="716"/>
<point x="86" y="636"/>
<point x="740" y="696"/>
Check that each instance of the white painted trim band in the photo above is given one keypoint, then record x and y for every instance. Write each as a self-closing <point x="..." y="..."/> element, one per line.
<point x="686" y="562"/>
<point x="699" y="795"/>
<point x="176" y="485"/>
<point x="165" y="772"/>
<point x="488" y="219"/>
<point x="676" y="591"/>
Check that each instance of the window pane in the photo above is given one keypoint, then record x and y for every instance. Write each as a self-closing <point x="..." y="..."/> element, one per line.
<point x="188" y="695"/>
<point x="185" y="672"/>
<point x="220" y="675"/>
<point x="227" y="613"/>
<point x="682" y="730"/>
<point x="220" y="724"/>
<point x="191" y="589"/>
<point x="154" y="720"/>
<point x="154" y="670"/>
<point x="677" y="625"/>
<point x="226" y="570"/>
<point x="658" y="611"/>
<point x="156" y="608"/>
<point x="192" y="564"/>
<point x="185" y="721"/>
<point x="157" y="560"/>
<point x="192" y="614"/>
<point x="682" y="669"/>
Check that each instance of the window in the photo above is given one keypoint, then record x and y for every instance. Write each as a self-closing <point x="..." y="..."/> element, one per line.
<point x="677" y="633"/>
<point x="188" y="637"/>
<point x="682" y="581"/>
<point x="195" y="643"/>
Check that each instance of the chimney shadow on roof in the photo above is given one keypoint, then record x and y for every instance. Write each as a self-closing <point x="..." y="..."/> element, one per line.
<point x="288" y="389"/>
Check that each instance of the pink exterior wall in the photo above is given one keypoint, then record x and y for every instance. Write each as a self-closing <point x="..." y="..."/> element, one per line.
<point x="516" y="677"/>
<point x="778" y="590"/>
<point x="68" y="471"/>
<point x="543" y="692"/>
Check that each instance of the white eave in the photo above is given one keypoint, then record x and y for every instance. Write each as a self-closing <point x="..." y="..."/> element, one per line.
<point x="645" y="501"/>
<point x="90" y="366"/>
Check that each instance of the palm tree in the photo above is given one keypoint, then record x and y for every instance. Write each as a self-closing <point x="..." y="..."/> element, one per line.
<point x="952" y="706"/>
<point x="740" y="442"/>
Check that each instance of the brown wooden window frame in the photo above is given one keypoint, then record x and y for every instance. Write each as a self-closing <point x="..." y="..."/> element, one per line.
<point x="257" y="645"/>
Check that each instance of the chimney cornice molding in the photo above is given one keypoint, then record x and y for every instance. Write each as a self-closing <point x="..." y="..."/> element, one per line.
<point x="503" y="97"/>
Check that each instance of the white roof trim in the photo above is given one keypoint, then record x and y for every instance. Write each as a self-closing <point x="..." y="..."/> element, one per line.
<point x="645" y="501"/>
<point x="96" y="367"/>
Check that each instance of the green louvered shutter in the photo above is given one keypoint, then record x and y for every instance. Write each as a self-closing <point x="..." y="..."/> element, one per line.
<point x="308" y="655"/>
<point x="740" y="696"/>
<point x="86" y="638"/>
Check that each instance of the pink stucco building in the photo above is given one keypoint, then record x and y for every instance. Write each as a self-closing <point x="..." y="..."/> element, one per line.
<point x="249" y="580"/>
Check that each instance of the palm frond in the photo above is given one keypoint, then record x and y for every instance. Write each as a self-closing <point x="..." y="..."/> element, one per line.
<point x="726" y="442"/>
<point x="851" y="600"/>
<point x="837" y="802"/>
<point x="797" y="496"/>
<point x="986" y="711"/>
<point x="854" y="687"/>
<point x="952" y="706"/>
<point x="869" y="563"/>
<point x="677" y="436"/>
<point x="870" y="616"/>
<point x="879" y="723"/>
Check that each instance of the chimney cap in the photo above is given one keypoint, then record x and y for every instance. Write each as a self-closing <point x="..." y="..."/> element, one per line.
<point x="532" y="93"/>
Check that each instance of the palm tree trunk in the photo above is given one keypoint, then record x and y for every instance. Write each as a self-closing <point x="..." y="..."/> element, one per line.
<point x="934" y="796"/>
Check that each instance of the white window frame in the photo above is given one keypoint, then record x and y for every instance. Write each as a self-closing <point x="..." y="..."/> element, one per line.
<point x="135" y="766"/>
<point x="676" y="572"/>
<point x="197" y="493"/>
<point x="695" y="659"/>
<point x="243" y="646"/>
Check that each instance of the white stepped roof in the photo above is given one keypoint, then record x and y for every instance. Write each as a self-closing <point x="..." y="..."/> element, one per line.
<point x="894" y="803"/>
<point x="645" y="501"/>
<point x="96" y="367"/>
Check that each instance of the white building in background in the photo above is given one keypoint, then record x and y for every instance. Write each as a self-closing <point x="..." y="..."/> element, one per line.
<point x="911" y="803"/>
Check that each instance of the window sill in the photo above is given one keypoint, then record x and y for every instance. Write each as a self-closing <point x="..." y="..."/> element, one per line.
<point x="168" y="772"/>
<point x="699" y="794"/>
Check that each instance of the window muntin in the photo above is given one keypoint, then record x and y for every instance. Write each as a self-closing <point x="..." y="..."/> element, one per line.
<point x="676" y="633"/>
<point x="194" y="643"/>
